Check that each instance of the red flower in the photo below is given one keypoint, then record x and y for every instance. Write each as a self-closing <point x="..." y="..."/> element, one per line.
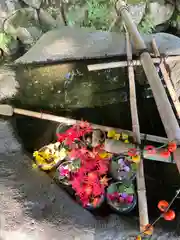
<point x="87" y="190"/>
<point x="132" y="152"/>
<point x="98" y="190"/>
<point x="165" y="153"/>
<point x="86" y="125"/>
<point x="92" y="177"/>
<point x="169" y="215"/>
<point x="163" y="205"/>
<point x="102" y="167"/>
<point x="150" y="149"/>
<point x="172" y="146"/>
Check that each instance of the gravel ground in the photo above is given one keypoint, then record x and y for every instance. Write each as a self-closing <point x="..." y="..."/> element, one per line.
<point x="32" y="207"/>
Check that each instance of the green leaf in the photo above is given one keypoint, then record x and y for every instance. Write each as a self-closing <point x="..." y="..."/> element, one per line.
<point x="112" y="188"/>
<point x="134" y="167"/>
<point x="121" y="188"/>
<point x="129" y="190"/>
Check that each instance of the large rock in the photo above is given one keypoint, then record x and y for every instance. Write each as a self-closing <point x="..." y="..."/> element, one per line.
<point x="137" y="11"/>
<point x="160" y="13"/>
<point x="6" y="9"/>
<point x="178" y="5"/>
<point x="77" y="43"/>
<point x="33" y="3"/>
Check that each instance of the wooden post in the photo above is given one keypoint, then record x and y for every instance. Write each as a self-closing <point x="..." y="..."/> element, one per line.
<point x="164" y="107"/>
<point x="141" y="188"/>
<point x="167" y="79"/>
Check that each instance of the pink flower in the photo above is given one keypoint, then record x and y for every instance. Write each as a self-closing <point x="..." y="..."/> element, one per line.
<point x="64" y="172"/>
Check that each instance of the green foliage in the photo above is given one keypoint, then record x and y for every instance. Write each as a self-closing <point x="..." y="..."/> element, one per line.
<point x="5" y="41"/>
<point x="98" y="12"/>
<point x="146" y="26"/>
<point x="94" y="14"/>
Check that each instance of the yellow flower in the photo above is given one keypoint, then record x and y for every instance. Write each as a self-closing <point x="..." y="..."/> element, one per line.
<point x="138" y="237"/>
<point x="111" y="134"/>
<point x="34" y="166"/>
<point x="124" y="136"/>
<point x="136" y="159"/>
<point x="126" y="141"/>
<point x="105" y="155"/>
<point x="62" y="153"/>
<point x="117" y="136"/>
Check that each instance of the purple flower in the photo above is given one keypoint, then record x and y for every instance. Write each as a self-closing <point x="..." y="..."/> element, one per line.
<point x="68" y="75"/>
<point x="121" y="161"/>
<point x="124" y="195"/>
<point x="126" y="168"/>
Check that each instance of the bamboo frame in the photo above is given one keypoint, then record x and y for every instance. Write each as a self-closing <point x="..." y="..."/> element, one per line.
<point x="141" y="188"/>
<point x="167" y="80"/>
<point x="70" y="121"/>
<point x="164" y="107"/>
<point x="101" y="66"/>
<point x="119" y="147"/>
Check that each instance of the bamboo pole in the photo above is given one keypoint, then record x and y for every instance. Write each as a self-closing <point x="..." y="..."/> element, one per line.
<point x="164" y="107"/>
<point x="167" y="80"/>
<point x="141" y="187"/>
<point x="117" y="64"/>
<point x="7" y="110"/>
<point x="119" y="147"/>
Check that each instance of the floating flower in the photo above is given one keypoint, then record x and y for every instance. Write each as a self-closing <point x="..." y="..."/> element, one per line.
<point x="121" y="161"/>
<point x="138" y="237"/>
<point x="34" y="166"/>
<point x="126" y="141"/>
<point x="169" y="215"/>
<point x="148" y="229"/>
<point x="96" y="201"/>
<point x="150" y="149"/>
<point x="126" y="169"/>
<point x="124" y="136"/>
<point x="165" y="153"/>
<point x="163" y="205"/>
<point x="105" y="154"/>
<point x="136" y="159"/>
<point x="117" y="136"/>
<point x="63" y="171"/>
<point x="104" y="181"/>
<point x="111" y="134"/>
<point x="68" y="75"/>
<point x="172" y="146"/>
<point x="124" y="195"/>
<point x="132" y="152"/>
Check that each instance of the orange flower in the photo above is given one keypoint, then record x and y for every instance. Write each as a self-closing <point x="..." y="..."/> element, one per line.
<point x="169" y="215"/>
<point x="172" y="147"/>
<point x="148" y="229"/>
<point x="96" y="201"/>
<point x="163" y="205"/>
<point x="104" y="181"/>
